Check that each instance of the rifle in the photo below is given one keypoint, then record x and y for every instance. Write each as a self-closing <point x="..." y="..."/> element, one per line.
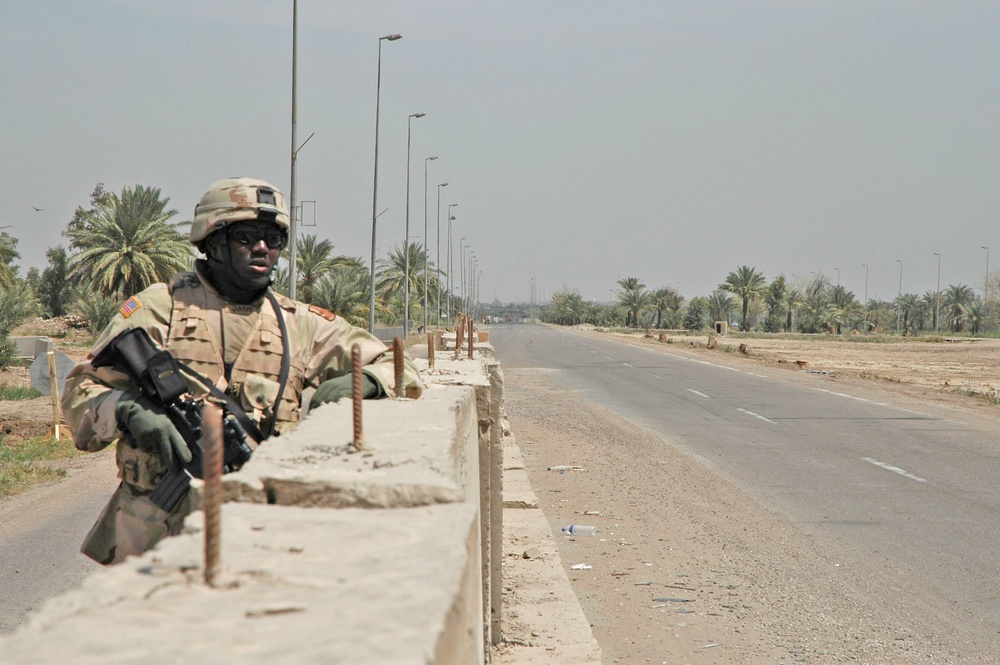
<point x="158" y="376"/>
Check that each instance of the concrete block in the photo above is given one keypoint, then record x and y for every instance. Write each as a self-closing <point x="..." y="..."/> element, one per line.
<point x="415" y="454"/>
<point x="517" y="492"/>
<point x="543" y="620"/>
<point x="300" y="585"/>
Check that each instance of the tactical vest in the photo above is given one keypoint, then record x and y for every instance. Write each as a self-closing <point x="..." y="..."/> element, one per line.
<point x="194" y="338"/>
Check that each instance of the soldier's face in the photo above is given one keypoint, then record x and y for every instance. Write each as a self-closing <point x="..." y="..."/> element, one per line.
<point x="254" y="248"/>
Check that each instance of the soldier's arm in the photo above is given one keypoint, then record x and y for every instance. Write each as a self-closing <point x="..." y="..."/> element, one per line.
<point x="331" y="345"/>
<point x="90" y="396"/>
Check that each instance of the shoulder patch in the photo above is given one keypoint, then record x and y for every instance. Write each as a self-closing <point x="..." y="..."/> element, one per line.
<point x="130" y="306"/>
<point x="325" y="313"/>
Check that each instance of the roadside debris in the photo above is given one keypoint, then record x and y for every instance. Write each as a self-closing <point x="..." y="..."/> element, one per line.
<point x="562" y="468"/>
<point x="580" y="566"/>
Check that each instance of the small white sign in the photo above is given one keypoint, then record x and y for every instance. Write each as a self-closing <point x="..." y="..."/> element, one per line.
<point x="39" y="372"/>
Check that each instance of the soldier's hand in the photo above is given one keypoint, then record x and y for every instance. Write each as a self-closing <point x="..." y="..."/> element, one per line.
<point x="150" y="429"/>
<point x="332" y="390"/>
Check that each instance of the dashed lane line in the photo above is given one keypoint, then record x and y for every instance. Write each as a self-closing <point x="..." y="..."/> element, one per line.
<point x="894" y="469"/>
<point x="758" y="416"/>
<point x="692" y="390"/>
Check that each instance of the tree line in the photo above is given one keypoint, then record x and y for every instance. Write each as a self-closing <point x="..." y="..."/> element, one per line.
<point x="747" y="301"/>
<point x="122" y="242"/>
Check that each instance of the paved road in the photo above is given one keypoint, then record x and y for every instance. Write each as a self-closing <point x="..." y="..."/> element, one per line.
<point x="40" y="536"/>
<point x="914" y="490"/>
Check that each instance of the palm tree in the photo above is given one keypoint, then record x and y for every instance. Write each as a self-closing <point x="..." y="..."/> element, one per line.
<point x="794" y="298"/>
<point x="634" y="298"/>
<point x="720" y="305"/>
<point x="312" y="263"/>
<point x="128" y="243"/>
<point x="746" y="283"/>
<point x="663" y="300"/>
<point x="344" y="290"/>
<point x="8" y="252"/>
<point x="391" y="274"/>
<point x="958" y="300"/>
<point x="566" y="308"/>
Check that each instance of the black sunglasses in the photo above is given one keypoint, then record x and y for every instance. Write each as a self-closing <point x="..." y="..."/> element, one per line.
<point x="249" y="237"/>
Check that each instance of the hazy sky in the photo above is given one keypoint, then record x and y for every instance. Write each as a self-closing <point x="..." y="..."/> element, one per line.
<point x="582" y="141"/>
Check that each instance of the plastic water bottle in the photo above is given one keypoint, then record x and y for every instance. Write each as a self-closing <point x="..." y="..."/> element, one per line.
<point x="579" y="530"/>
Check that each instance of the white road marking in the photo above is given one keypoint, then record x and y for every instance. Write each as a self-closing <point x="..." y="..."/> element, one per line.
<point x="692" y="390"/>
<point x="860" y="399"/>
<point x="894" y="469"/>
<point x="757" y="415"/>
<point x="627" y="365"/>
<point x="656" y="376"/>
<point x="609" y="357"/>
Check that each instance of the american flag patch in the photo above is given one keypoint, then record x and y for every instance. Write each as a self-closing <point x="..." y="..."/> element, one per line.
<point x="130" y="306"/>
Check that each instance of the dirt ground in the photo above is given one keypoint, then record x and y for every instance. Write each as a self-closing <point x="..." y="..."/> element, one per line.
<point x="961" y="370"/>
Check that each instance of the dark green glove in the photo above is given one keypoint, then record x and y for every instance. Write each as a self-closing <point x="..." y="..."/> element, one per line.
<point x="148" y="427"/>
<point x="332" y="390"/>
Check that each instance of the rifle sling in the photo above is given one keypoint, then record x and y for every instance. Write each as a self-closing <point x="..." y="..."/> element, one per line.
<point x="232" y="406"/>
<point x="283" y="374"/>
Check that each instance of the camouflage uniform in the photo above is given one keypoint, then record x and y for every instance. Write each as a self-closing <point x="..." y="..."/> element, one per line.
<point x="200" y="328"/>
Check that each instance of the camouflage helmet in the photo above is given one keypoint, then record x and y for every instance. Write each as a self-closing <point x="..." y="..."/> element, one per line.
<point x="237" y="199"/>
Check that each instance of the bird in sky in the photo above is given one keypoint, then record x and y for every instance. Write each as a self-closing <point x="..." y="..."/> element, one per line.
<point x="37" y="209"/>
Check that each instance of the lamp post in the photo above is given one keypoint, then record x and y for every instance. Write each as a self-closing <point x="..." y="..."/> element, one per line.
<point x="426" y="251"/>
<point x="838" y="276"/>
<point x="866" y="286"/>
<point x="378" y="86"/>
<point x="937" y="295"/>
<point x="406" y="233"/>
<point x="291" y="187"/>
<point x="899" y="294"/>
<point x="986" y="284"/>
<point x="461" y="271"/>
<point x="437" y="248"/>
<point x="450" y="273"/>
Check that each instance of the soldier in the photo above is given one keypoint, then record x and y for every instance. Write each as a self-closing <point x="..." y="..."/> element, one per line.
<point x="224" y="321"/>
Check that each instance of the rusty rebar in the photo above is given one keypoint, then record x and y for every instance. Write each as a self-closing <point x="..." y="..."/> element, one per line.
<point x="471" y="330"/>
<point x="430" y="350"/>
<point x="357" y="396"/>
<point x="212" y="444"/>
<point x="397" y="363"/>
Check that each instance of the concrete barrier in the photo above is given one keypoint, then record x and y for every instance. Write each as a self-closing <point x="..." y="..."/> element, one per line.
<point x="390" y="555"/>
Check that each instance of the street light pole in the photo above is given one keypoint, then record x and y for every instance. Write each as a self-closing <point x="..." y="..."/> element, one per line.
<point x="937" y="295"/>
<point x="426" y="244"/>
<point x="461" y="271"/>
<point x="406" y="234"/>
<point x="866" y="286"/>
<point x="899" y="294"/>
<point x="378" y="86"/>
<point x="291" y="188"/>
<point x="437" y="249"/>
<point x="838" y="276"/>
<point x="986" y="284"/>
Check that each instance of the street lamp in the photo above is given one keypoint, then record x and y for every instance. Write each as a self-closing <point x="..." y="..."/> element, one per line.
<point x="986" y="285"/>
<point x="450" y="272"/>
<point x="899" y="294"/>
<point x="866" y="285"/>
<point x="437" y="248"/>
<point x="378" y="86"/>
<point x="461" y="270"/>
<point x="426" y="251"/>
<point x="838" y="276"/>
<point x="406" y="233"/>
<point x="937" y="296"/>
